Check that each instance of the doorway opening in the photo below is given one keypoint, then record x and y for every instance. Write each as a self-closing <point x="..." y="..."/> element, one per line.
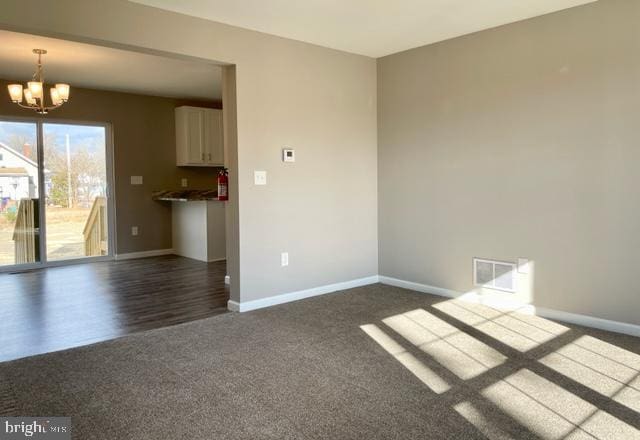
<point x="77" y="176"/>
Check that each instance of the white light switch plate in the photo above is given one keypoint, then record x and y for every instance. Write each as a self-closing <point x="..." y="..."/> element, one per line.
<point x="260" y="177"/>
<point x="284" y="259"/>
<point x="136" y="180"/>
<point x="134" y="230"/>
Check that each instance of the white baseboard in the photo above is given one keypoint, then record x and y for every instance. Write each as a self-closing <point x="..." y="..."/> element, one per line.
<point x="572" y="318"/>
<point x="590" y="321"/>
<point x="424" y="288"/>
<point x="144" y="254"/>
<point x="235" y="306"/>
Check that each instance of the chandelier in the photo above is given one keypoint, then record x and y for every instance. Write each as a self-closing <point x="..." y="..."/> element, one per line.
<point x="34" y="92"/>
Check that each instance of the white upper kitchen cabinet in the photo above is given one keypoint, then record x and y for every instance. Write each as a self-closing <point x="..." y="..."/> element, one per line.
<point x="199" y="137"/>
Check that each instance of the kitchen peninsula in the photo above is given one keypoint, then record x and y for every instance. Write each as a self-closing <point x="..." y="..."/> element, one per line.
<point x="198" y="223"/>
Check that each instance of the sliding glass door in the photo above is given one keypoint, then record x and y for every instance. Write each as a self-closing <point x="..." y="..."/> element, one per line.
<point x="54" y="200"/>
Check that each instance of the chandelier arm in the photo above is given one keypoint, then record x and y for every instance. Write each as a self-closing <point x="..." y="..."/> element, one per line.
<point x="28" y="106"/>
<point x="52" y="107"/>
<point x="39" y="107"/>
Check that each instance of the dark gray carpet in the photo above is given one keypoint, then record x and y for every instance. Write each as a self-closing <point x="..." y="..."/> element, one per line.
<point x="307" y="370"/>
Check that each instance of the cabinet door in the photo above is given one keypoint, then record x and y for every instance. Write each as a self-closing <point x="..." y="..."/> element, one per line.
<point x="213" y="137"/>
<point x="195" y="136"/>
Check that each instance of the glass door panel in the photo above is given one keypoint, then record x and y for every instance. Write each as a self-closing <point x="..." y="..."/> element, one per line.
<point x="19" y="189"/>
<point x="75" y="175"/>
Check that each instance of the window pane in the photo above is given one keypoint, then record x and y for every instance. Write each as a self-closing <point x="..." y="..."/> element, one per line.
<point x="75" y="187"/>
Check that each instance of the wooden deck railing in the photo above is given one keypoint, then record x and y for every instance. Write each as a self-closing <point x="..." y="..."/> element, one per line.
<point x="95" y="230"/>
<point x="25" y="232"/>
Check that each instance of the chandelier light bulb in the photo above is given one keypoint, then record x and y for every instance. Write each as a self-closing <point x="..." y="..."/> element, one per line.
<point x="15" y="91"/>
<point x="28" y="97"/>
<point x="35" y="87"/>
<point x="63" y="91"/>
<point x="55" y="96"/>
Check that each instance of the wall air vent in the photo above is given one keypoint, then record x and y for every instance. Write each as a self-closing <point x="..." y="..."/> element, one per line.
<point x="493" y="274"/>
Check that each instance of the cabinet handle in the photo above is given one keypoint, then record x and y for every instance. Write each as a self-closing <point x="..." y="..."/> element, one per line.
<point x="203" y="157"/>
<point x="209" y="156"/>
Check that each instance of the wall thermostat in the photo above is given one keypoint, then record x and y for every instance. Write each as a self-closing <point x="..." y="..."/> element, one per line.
<point x="288" y="155"/>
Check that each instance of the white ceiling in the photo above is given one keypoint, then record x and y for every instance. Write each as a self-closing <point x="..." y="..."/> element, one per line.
<point x="369" y="27"/>
<point x="97" y="67"/>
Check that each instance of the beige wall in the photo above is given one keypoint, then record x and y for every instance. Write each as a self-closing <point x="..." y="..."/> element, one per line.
<point x="144" y="145"/>
<point x="322" y="102"/>
<point x="522" y="141"/>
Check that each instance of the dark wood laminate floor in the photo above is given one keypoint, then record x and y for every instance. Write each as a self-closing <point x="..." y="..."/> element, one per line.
<point x="62" y="307"/>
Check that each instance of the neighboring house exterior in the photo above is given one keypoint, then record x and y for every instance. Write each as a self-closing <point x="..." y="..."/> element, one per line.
<point x="18" y="176"/>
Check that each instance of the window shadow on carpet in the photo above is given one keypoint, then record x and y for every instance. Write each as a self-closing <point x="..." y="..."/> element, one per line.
<point x="492" y="365"/>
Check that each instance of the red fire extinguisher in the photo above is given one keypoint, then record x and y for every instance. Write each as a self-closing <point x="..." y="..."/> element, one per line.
<point x="223" y="185"/>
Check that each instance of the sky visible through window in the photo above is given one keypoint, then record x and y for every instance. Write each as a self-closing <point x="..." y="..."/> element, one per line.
<point x="16" y="134"/>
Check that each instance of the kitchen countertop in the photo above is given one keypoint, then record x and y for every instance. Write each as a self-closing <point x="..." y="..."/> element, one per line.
<point x="186" y="195"/>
